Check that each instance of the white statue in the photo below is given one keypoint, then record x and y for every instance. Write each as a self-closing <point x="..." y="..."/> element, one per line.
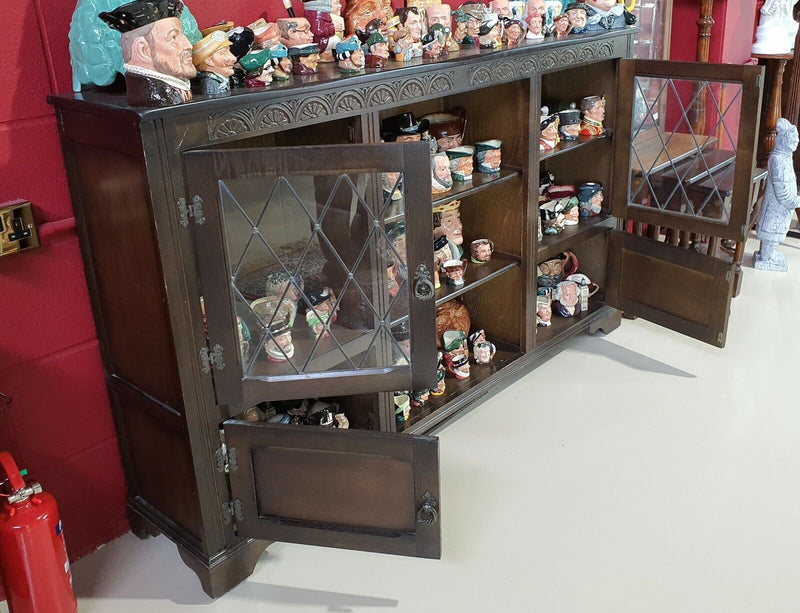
<point x="776" y="28"/>
<point x="780" y="200"/>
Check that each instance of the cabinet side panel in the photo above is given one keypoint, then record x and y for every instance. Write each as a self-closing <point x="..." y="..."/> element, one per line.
<point x="130" y="292"/>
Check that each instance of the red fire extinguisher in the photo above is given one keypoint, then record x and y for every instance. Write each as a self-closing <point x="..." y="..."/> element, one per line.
<point x="33" y="557"/>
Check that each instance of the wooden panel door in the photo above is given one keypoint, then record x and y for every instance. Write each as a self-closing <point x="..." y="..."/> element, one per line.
<point x="685" y="145"/>
<point x="350" y="489"/>
<point x="316" y="269"/>
<point x="670" y="286"/>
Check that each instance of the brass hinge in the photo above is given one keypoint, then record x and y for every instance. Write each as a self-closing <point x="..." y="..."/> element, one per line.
<point x="213" y="358"/>
<point x="227" y="459"/>
<point x="232" y="509"/>
<point x="193" y="210"/>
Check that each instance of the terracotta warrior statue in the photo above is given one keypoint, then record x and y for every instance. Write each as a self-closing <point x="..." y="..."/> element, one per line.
<point x="780" y="200"/>
<point x="157" y="55"/>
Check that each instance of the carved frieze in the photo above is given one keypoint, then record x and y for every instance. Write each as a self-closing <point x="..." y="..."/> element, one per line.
<point x="346" y="100"/>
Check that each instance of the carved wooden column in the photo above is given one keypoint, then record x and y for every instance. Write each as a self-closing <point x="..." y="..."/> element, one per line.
<point x="776" y="65"/>
<point x="697" y="114"/>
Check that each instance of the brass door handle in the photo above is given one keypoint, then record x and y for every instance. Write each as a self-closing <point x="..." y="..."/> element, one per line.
<point x="427" y="513"/>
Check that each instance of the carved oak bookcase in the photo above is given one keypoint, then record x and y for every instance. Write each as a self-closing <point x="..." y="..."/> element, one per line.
<point x="183" y="211"/>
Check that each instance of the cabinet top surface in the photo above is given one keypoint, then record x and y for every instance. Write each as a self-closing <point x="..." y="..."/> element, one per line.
<point x="329" y="78"/>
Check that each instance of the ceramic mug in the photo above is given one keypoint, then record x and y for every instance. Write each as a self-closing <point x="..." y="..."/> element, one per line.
<point x="552" y="217"/>
<point x="586" y="288"/>
<point x="487" y="155"/>
<point x="551" y="272"/>
<point x="402" y="407"/>
<point x="455" y="269"/>
<point x="567" y="299"/>
<point x="483" y="352"/>
<point x="544" y="311"/>
<point x="461" y="165"/>
<point x="481" y="250"/>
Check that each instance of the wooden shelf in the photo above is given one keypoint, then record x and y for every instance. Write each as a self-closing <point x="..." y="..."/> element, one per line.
<point x="565" y="146"/>
<point x="479" y="376"/>
<point x="553" y="244"/>
<point x="477" y="275"/>
<point x="480" y="181"/>
<point x="562" y="327"/>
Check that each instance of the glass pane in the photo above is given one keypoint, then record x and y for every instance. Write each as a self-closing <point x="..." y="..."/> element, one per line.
<point x="649" y="40"/>
<point x="318" y="271"/>
<point x="683" y="146"/>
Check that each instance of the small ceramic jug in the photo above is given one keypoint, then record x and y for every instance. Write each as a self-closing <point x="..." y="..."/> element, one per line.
<point x="402" y="407"/>
<point x="487" y="155"/>
<point x="552" y="217"/>
<point x="586" y="288"/>
<point x="544" y="311"/>
<point x="566" y="299"/>
<point x="481" y="250"/>
<point x="551" y="272"/>
<point x="455" y="269"/>
<point x="483" y="352"/>
<point x="461" y="165"/>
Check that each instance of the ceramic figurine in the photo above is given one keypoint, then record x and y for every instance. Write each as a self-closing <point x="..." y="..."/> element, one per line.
<point x="563" y="198"/>
<point x="537" y="7"/>
<point x="265" y="35"/>
<point x="569" y="123"/>
<point x="419" y="398"/>
<point x="304" y="59"/>
<point x="447" y="223"/>
<point x="455" y="269"/>
<point x="278" y="344"/>
<point x="392" y="287"/>
<point x="441" y="179"/>
<point x="777" y="28"/>
<point x="469" y="17"/>
<point x="323" y="301"/>
<point x="566" y="299"/>
<point x="259" y="68"/>
<point x="594" y="112"/>
<point x="349" y="56"/>
<point x="452" y="315"/>
<point x="586" y="289"/>
<point x="447" y="128"/>
<point x="780" y="200"/>
<point x="273" y="310"/>
<point x="561" y="25"/>
<point x="590" y="196"/>
<point x="222" y="26"/>
<point x="441" y="254"/>
<point x="337" y="19"/>
<point x="295" y="31"/>
<point x="461" y="166"/>
<point x="158" y="57"/>
<point x="358" y="13"/>
<point x="442" y="14"/>
<point x="441" y="372"/>
<point x="552" y="272"/>
<point x="214" y="63"/>
<point x="481" y="250"/>
<point x="548" y="137"/>
<point x="489" y="32"/>
<point x="396" y="233"/>
<point x="551" y="213"/>
<point x="534" y="22"/>
<point x="402" y="337"/>
<point x="546" y="180"/>
<point x="94" y="48"/>
<point x="281" y="64"/>
<point x="455" y="341"/>
<point x="576" y="11"/>
<point x="571" y="211"/>
<point x="243" y="332"/>
<point x="482" y="350"/>
<point x="341" y="421"/>
<point x="433" y="43"/>
<point x="407" y="40"/>
<point x="282" y="286"/>
<point x="553" y="8"/>
<point x="402" y="407"/>
<point x="392" y="186"/>
<point x="318" y="14"/>
<point x="403" y="128"/>
<point x="544" y="311"/>
<point x="607" y="15"/>
<point x="487" y="156"/>
<point x="457" y="364"/>
<point x="378" y="46"/>
<point x="513" y="32"/>
<point x="241" y="41"/>
<point x="501" y="8"/>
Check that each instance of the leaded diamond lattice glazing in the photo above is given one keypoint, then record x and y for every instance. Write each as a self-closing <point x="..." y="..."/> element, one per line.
<point x="683" y="146"/>
<point x="318" y="271"/>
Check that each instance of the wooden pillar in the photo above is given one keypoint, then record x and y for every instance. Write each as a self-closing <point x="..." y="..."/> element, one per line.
<point x="697" y="114"/>
<point x="776" y="65"/>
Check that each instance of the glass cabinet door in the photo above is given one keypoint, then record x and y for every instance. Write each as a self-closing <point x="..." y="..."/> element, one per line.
<point x="685" y="145"/>
<point x="315" y="266"/>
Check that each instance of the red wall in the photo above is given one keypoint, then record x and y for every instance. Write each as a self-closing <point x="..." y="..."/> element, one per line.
<point x="730" y="36"/>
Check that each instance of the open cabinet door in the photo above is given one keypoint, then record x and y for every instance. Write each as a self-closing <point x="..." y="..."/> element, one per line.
<point x="350" y="489"/>
<point x="685" y="145"/>
<point x="316" y="270"/>
<point x="673" y="287"/>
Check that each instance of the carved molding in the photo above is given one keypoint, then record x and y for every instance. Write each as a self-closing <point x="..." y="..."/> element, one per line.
<point x="328" y="104"/>
<point x="515" y="68"/>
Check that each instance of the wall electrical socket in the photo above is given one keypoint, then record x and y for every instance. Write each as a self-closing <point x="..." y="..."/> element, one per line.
<point x="17" y="228"/>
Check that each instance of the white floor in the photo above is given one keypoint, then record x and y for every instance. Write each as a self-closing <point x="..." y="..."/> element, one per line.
<point x="638" y="472"/>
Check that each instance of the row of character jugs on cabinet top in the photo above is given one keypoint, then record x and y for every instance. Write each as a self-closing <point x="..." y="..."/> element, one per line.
<point x="160" y="60"/>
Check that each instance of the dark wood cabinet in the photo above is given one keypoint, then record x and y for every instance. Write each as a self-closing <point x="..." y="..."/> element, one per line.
<point x="184" y="213"/>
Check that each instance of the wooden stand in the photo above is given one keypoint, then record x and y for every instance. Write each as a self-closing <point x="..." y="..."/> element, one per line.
<point x="776" y="65"/>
